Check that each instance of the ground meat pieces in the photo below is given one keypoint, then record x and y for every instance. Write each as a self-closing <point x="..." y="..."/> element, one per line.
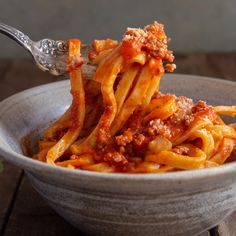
<point x="125" y="138"/>
<point x="201" y="110"/>
<point x="184" y="112"/>
<point x="139" y="141"/>
<point x="156" y="127"/>
<point x="115" y="159"/>
<point x="153" y="127"/>
<point x="135" y="37"/>
<point x="156" y="42"/>
<point x="199" y="106"/>
<point x="132" y="43"/>
<point x="181" y="150"/>
<point x="170" y="67"/>
<point x="152" y="40"/>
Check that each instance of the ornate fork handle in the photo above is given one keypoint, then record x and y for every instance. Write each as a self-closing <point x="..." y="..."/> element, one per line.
<point x="47" y="46"/>
<point x="16" y="35"/>
<point x="49" y="55"/>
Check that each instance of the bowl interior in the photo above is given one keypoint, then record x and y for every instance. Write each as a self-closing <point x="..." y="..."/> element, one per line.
<point x="28" y="113"/>
<point x="24" y="116"/>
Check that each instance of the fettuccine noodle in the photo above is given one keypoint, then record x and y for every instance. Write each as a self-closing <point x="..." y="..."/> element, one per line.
<point x="127" y="124"/>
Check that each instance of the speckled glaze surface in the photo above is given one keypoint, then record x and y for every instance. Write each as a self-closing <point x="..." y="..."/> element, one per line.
<point x="180" y="203"/>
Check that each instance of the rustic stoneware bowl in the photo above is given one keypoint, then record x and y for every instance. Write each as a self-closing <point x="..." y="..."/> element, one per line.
<point x="180" y="203"/>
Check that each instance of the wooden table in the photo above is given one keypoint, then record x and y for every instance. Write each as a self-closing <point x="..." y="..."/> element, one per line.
<point x="22" y="210"/>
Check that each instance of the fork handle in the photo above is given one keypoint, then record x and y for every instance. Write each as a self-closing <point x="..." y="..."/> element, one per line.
<point x="16" y="35"/>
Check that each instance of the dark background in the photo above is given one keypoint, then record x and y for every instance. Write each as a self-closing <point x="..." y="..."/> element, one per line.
<point x="194" y="26"/>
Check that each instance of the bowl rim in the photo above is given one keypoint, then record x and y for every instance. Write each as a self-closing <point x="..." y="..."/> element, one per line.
<point x="30" y="164"/>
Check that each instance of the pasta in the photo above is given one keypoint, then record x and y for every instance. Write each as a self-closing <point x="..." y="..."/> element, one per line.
<point x="119" y="121"/>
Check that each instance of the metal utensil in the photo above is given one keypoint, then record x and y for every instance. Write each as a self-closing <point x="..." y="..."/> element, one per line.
<point x="49" y="55"/>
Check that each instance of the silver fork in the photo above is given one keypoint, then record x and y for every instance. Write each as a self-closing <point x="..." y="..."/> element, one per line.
<point x="49" y="55"/>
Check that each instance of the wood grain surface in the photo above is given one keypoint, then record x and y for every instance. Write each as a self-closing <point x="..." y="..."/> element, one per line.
<point x="22" y="210"/>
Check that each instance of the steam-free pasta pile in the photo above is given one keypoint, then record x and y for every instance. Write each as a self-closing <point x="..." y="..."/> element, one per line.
<point x="122" y="123"/>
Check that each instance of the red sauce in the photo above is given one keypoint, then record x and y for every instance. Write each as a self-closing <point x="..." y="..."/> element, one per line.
<point x="201" y="110"/>
<point x="136" y="135"/>
<point x="74" y="122"/>
<point x="152" y="39"/>
<point x="156" y="66"/>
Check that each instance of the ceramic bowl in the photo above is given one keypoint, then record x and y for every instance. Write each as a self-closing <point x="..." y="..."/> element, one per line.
<point x="179" y="203"/>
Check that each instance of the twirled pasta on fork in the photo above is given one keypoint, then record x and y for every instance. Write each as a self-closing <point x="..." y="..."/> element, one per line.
<point x="127" y="124"/>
